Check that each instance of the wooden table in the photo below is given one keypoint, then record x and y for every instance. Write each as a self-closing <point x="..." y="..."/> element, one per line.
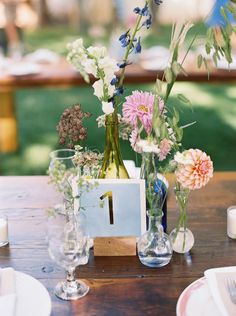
<point x="63" y="75"/>
<point x="119" y="286"/>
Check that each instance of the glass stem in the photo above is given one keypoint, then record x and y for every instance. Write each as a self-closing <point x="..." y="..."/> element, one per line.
<point x="70" y="279"/>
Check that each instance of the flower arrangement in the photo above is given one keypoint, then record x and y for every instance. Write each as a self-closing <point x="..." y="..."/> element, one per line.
<point x="147" y="120"/>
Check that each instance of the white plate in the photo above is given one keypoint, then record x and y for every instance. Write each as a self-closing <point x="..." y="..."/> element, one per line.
<point x="32" y="298"/>
<point x="23" y="69"/>
<point x="196" y="300"/>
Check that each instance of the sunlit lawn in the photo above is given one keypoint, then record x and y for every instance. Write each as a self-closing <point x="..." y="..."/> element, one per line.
<point x="38" y="111"/>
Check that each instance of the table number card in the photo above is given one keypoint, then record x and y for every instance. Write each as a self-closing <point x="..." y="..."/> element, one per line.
<point x="115" y="207"/>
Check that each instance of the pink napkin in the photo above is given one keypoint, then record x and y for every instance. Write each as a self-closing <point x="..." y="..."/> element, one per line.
<point x="7" y="292"/>
<point x="217" y="282"/>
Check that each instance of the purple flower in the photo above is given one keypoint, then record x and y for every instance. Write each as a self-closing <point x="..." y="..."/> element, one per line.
<point x="138" y="47"/>
<point x="125" y="39"/>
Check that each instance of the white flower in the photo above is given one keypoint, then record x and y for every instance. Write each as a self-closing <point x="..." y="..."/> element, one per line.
<point x="183" y="158"/>
<point x="98" y="88"/>
<point x="111" y="89"/>
<point x="109" y="66"/>
<point x="90" y="66"/>
<point x="97" y="52"/>
<point x="78" y="43"/>
<point x="148" y="146"/>
<point x="107" y="107"/>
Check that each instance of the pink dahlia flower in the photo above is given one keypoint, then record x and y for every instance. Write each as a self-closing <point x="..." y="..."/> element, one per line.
<point x="194" y="169"/>
<point x="139" y="105"/>
<point x="165" y="148"/>
<point x="134" y="139"/>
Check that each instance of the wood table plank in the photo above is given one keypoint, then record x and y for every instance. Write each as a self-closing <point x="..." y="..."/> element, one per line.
<point x="118" y="285"/>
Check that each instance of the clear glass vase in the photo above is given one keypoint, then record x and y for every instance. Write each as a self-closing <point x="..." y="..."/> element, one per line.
<point x="149" y="173"/>
<point x="154" y="246"/>
<point x="181" y="237"/>
<point x="113" y="166"/>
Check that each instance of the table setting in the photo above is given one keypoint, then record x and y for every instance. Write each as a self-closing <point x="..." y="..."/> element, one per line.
<point x="101" y="236"/>
<point x="28" y="65"/>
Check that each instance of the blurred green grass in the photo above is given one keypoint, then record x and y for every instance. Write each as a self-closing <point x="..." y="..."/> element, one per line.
<point x="38" y="112"/>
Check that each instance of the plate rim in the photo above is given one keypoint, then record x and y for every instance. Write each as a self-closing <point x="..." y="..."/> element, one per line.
<point x="184" y="291"/>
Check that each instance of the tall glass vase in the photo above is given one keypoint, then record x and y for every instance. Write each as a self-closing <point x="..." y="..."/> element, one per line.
<point x="154" y="246"/>
<point x="113" y="165"/>
<point x="182" y="238"/>
<point x="148" y="169"/>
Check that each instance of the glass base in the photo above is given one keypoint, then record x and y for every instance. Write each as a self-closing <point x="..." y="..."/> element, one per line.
<point x="68" y="293"/>
<point x="182" y="241"/>
<point x="155" y="262"/>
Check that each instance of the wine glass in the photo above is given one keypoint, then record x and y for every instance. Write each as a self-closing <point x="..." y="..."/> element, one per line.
<point x="68" y="246"/>
<point x="60" y="169"/>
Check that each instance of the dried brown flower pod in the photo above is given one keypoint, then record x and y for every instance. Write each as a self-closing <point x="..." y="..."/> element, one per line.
<point x="70" y="127"/>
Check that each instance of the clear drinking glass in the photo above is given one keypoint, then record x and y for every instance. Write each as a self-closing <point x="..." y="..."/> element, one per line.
<point x="68" y="246"/>
<point x="60" y="169"/>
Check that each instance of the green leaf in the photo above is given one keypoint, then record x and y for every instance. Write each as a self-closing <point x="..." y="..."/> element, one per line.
<point x="215" y="59"/>
<point x="207" y="48"/>
<point x="223" y="13"/>
<point x="199" y="61"/>
<point x="176" y="68"/>
<point x="159" y="86"/>
<point x="176" y="114"/>
<point x="183" y="99"/>
<point x="168" y="75"/>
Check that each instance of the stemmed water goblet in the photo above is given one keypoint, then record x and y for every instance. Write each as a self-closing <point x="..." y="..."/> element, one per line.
<point x="68" y="246"/>
<point x="61" y="168"/>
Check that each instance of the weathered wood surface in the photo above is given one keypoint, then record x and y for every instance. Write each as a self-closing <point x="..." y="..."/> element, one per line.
<point x="118" y="285"/>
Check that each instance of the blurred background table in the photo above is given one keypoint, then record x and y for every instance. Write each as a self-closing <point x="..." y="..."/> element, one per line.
<point x="62" y="74"/>
<point x="118" y="285"/>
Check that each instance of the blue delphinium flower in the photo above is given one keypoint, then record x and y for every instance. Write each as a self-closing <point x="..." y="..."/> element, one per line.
<point x="125" y="39"/>
<point x="123" y="65"/>
<point x="158" y="2"/>
<point x="137" y="10"/>
<point x="138" y="48"/>
<point x="114" y="81"/>
<point x="148" y="22"/>
<point x="144" y="11"/>
<point x="119" y="91"/>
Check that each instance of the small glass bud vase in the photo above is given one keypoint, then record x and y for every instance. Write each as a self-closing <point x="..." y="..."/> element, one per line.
<point x="154" y="246"/>
<point x="181" y="237"/>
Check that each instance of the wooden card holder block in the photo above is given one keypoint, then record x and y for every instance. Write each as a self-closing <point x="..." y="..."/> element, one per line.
<point x="115" y="246"/>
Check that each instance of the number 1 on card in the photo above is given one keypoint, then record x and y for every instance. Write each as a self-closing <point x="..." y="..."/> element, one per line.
<point x="110" y="205"/>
